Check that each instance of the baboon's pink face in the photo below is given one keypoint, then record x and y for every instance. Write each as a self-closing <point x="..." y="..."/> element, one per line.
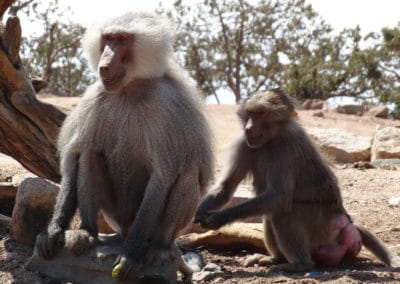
<point x="116" y="55"/>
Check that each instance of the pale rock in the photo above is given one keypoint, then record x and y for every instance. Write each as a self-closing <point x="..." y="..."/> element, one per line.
<point x="95" y="265"/>
<point x="379" y="111"/>
<point x="342" y="145"/>
<point x="386" y="143"/>
<point x="395" y="201"/>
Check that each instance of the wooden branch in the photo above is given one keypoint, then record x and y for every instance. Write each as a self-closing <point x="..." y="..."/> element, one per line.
<point x="12" y="39"/>
<point x="236" y="235"/>
<point x="28" y="127"/>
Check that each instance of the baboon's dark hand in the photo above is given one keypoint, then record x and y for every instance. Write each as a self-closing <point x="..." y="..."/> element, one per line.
<point x="201" y="215"/>
<point x="213" y="221"/>
<point x="132" y="262"/>
<point x="46" y="244"/>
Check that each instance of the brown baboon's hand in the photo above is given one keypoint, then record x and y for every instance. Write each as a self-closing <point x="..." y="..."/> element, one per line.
<point x="201" y="215"/>
<point x="47" y="243"/>
<point x="212" y="221"/>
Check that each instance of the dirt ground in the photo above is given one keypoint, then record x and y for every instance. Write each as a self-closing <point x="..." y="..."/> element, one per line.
<point x="366" y="193"/>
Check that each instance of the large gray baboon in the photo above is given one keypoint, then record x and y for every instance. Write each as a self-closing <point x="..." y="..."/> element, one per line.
<point x="296" y="192"/>
<point x="137" y="146"/>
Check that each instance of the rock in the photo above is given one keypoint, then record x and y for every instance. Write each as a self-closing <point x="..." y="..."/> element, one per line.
<point x="33" y="208"/>
<point x="341" y="145"/>
<point x="379" y="111"/>
<point x="95" y="265"/>
<point x="318" y="114"/>
<point x="386" y="143"/>
<point x="7" y="197"/>
<point x="18" y="179"/>
<point x="362" y="165"/>
<point x="351" y="109"/>
<point x="395" y="201"/>
<point x="313" y="104"/>
<point x="386" y="162"/>
<point x="210" y="271"/>
<point x="5" y="221"/>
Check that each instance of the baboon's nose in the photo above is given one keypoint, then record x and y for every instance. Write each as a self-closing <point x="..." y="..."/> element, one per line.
<point x="103" y="70"/>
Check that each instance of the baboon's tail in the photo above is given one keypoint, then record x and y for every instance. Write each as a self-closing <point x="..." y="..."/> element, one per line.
<point x="378" y="248"/>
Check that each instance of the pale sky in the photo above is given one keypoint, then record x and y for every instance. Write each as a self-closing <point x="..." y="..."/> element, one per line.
<point x="371" y="15"/>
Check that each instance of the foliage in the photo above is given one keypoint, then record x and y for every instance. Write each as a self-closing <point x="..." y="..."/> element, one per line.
<point x="241" y="46"/>
<point x="247" y="48"/>
<point x="53" y="52"/>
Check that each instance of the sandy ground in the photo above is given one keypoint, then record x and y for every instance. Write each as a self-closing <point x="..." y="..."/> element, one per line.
<point x="365" y="191"/>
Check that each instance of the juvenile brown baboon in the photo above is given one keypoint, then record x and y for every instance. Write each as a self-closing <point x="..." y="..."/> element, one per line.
<point x="137" y="146"/>
<point x="296" y="192"/>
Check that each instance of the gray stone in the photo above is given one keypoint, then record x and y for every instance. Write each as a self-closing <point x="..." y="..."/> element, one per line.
<point x="19" y="178"/>
<point x="351" y="109"/>
<point x="210" y="271"/>
<point x="5" y="221"/>
<point x="341" y="145"/>
<point x="34" y="205"/>
<point x="386" y="143"/>
<point x="386" y="162"/>
<point x="95" y="265"/>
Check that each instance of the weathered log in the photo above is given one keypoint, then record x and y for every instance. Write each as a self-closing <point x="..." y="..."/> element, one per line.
<point x="234" y="236"/>
<point x="28" y="127"/>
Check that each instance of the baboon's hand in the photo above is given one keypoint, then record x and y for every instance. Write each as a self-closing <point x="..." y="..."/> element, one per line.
<point x="46" y="243"/>
<point x="213" y="221"/>
<point x="131" y="263"/>
<point x="201" y="215"/>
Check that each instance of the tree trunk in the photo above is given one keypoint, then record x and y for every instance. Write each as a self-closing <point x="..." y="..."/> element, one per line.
<point x="28" y="127"/>
<point x="4" y="4"/>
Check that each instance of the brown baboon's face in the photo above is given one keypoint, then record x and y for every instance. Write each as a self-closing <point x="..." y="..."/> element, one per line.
<point x="263" y="116"/>
<point x="259" y="128"/>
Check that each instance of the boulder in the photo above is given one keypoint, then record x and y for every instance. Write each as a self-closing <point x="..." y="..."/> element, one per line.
<point x="5" y="221"/>
<point x="33" y="208"/>
<point x="313" y="104"/>
<point x="7" y="197"/>
<point x="95" y="265"/>
<point x="351" y="109"/>
<point x="341" y="145"/>
<point x="318" y="114"/>
<point x="386" y="162"/>
<point x="379" y="111"/>
<point x="386" y="143"/>
<point x="17" y="179"/>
